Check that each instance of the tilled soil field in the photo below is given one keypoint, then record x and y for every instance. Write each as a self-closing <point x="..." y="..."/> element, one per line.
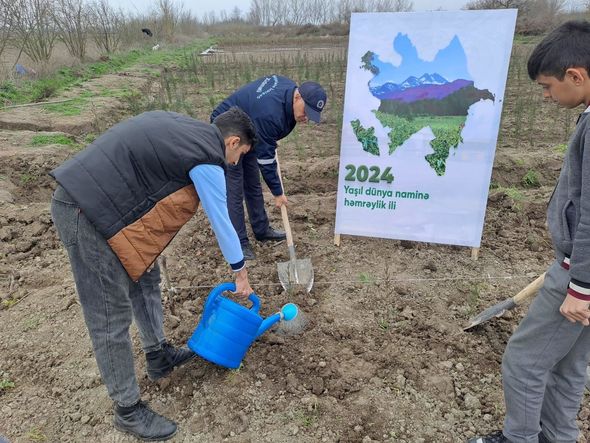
<point x="383" y="358"/>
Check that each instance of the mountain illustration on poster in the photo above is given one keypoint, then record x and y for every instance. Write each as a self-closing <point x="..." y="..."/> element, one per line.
<point x="418" y="94"/>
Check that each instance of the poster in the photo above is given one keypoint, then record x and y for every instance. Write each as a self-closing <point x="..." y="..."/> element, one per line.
<point x="423" y="100"/>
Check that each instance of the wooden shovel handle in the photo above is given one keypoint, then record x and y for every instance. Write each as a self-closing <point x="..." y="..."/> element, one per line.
<point x="529" y="291"/>
<point x="284" y="215"/>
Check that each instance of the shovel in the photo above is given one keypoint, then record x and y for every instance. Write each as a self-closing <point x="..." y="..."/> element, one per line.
<point x="295" y="272"/>
<point x="498" y="309"/>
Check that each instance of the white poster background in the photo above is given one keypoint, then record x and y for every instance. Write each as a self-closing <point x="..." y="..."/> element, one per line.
<point x="454" y="213"/>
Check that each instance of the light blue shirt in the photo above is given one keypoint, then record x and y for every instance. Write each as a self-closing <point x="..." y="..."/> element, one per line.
<point x="209" y="182"/>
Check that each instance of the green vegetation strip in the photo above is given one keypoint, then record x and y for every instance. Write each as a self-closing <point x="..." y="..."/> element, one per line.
<point x="51" y="139"/>
<point x="43" y="88"/>
<point x="69" y="108"/>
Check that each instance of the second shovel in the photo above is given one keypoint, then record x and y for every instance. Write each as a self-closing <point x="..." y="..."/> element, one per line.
<point x="296" y="272"/>
<point x="498" y="309"/>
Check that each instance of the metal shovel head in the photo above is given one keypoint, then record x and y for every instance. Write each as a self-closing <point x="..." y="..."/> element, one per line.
<point x="296" y="273"/>
<point x="495" y="311"/>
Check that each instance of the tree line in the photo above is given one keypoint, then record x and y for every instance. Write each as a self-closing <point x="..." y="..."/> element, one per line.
<point x="34" y="26"/>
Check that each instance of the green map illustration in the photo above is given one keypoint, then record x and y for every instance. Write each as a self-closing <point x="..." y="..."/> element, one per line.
<point x="418" y="94"/>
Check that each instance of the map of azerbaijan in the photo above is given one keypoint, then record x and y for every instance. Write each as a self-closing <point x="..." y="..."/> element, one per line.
<point x="418" y="94"/>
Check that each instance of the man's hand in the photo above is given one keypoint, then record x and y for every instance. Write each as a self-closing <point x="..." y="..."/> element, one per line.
<point x="243" y="289"/>
<point x="281" y="200"/>
<point x="576" y="310"/>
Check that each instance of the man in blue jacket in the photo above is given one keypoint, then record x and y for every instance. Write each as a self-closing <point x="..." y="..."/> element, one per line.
<point x="275" y="104"/>
<point x="117" y="205"/>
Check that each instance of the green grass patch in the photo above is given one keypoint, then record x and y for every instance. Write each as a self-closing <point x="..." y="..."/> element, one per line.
<point x="561" y="148"/>
<point x="526" y="39"/>
<point x="116" y="93"/>
<point x="69" y="109"/>
<point x="8" y="303"/>
<point x="514" y="195"/>
<point x="36" y="435"/>
<point x="366" y="278"/>
<point x="64" y="78"/>
<point x="26" y="178"/>
<point x="6" y="384"/>
<point x="51" y="139"/>
<point x="31" y="323"/>
<point x="531" y="179"/>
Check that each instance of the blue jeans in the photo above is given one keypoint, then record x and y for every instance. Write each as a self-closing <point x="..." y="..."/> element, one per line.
<point x="109" y="299"/>
<point x="243" y="182"/>
<point x="544" y="368"/>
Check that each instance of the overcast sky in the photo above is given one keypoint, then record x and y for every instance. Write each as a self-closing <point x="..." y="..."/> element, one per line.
<point x="199" y="7"/>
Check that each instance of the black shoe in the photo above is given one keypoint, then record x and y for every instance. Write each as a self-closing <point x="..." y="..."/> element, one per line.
<point x="140" y="421"/>
<point x="161" y="363"/>
<point x="272" y="234"/>
<point x="248" y="252"/>
<point x="494" y="437"/>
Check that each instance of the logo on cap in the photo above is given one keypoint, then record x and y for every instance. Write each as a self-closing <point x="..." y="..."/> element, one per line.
<point x="320" y="104"/>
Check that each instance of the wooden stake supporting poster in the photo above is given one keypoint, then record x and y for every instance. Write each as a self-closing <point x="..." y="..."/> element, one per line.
<point x="423" y="100"/>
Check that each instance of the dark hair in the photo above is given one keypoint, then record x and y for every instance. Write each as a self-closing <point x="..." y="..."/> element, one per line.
<point x="234" y="121"/>
<point x="567" y="46"/>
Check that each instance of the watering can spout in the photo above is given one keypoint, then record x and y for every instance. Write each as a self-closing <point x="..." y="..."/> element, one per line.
<point x="287" y="313"/>
<point x="268" y="323"/>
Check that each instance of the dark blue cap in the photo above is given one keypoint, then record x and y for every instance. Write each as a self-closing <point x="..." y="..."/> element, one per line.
<point x="315" y="99"/>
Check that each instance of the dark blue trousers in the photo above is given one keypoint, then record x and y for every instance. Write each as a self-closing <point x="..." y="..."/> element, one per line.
<point x="243" y="182"/>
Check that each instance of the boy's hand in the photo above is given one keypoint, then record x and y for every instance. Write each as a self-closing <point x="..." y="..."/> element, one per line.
<point x="576" y="310"/>
<point x="243" y="289"/>
<point x="281" y="200"/>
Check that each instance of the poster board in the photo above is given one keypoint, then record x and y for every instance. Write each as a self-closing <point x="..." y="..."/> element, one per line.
<point x="423" y="100"/>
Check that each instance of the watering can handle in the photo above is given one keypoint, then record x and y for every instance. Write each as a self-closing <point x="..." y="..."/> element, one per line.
<point x="255" y="302"/>
<point x="219" y="289"/>
<point x="216" y="292"/>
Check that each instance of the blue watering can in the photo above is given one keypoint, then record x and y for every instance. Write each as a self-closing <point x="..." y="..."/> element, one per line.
<point x="227" y="329"/>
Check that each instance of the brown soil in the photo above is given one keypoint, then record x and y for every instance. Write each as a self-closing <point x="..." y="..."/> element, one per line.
<point x="384" y="357"/>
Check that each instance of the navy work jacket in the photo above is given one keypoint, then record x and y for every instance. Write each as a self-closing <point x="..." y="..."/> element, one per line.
<point x="268" y="101"/>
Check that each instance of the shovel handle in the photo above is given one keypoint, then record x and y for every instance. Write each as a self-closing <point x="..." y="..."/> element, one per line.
<point x="529" y="291"/>
<point x="287" y="226"/>
<point x="284" y="215"/>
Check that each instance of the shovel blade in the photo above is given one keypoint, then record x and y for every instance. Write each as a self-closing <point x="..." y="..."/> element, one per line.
<point x="296" y="273"/>
<point x="494" y="311"/>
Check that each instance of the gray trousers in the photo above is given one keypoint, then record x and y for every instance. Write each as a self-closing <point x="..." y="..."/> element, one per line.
<point x="109" y="299"/>
<point x="544" y="368"/>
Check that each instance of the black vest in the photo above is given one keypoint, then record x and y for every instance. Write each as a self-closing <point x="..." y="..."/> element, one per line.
<point x="123" y="174"/>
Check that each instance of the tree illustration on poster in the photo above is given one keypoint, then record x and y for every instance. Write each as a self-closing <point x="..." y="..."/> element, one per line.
<point x="423" y="100"/>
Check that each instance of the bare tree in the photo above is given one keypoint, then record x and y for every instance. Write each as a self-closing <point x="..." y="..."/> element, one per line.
<point x="107" y="26"/>
<point x="278" y="12"/>
<point x="236" y="14"/>
<point x="537" y="16"/>
<point x="71" y="19"/>
<point x="6" y="24"/>
<point x="534" y="16"/>
<point x="403" y="5"/>
<point x="261" y="12"/>
<point x="296" y="12"/>
<point x="169" y="14"/>
<point x="33" y="27"/>
<point x="494" y="4"/>
<point x="299" y="12"/>
<point x="209" y="18"/>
